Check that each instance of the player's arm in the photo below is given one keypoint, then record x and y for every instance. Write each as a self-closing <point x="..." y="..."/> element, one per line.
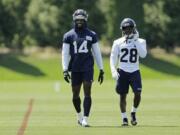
<point x="65" y="59"/>
<point x="141" y="48"/>
<point x="65" y="56"/>
<point x="113" y="60"/>
<point x="98" y="57"/>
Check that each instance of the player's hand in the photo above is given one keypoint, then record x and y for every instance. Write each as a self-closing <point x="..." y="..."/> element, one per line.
<point x="115" y="75"/>
<point x="101" y="76"/>
<point x="136" y="35"/>
<point x="67" y="77"/>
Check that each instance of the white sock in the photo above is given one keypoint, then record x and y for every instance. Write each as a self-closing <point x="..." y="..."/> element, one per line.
<point x="79" y="115"/>
<point x="124" y="115"/>
<point x="133" y="109"/>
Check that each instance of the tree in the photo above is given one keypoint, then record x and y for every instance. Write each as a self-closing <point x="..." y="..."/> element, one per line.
<point x="155" y="23"/>
<point x="12" y="22"/>
<point x="172" y="9"/>
<point x="96" y="20"/>
<point x="7" y="28"/>
<point x="48" y="20"/>
<point x="120" y="9"/>
<point x="41" y="21"/>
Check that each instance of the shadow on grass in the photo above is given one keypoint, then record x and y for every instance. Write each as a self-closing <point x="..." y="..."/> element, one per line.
<point x="161" y="65"/>
<point x="105" y="126"/>
<point x="139" y="126"/>
<point x="156" y="126"/>
<point x="12" y="62"/>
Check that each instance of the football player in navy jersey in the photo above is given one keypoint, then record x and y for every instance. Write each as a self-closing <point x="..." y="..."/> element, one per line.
<point x="80" y="45"/>
<point x="126" y="51"/>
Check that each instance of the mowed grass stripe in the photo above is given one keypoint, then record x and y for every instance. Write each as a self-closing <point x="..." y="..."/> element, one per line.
<point x="19" y="67"/>
<point x="53" y="113"/>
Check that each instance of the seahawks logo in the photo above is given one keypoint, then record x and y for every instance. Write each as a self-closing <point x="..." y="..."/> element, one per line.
<point x="89" y="38"/>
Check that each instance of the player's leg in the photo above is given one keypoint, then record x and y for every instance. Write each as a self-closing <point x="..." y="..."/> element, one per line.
<point x="136" y="86"/>
<point x="123" y="102"/>
<point x="87" y="83"/>
<point x="87" y="102"/>
<point x="123" y="109"/>
<point x="137" y="99"/>
<point x="77" y="102"/>
<point x="76" y="86"/>
<point x="136" y="102"/>
<point x="122" y="89"/>
<point x="87" y="98"/>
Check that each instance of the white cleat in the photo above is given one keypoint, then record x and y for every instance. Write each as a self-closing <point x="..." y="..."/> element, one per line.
<point x="80" y="118"/>
<point x="85" y="123"/>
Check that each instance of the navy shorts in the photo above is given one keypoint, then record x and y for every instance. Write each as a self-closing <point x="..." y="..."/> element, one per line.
<point x="133" y="79"/>
<point x="78" y="77"/>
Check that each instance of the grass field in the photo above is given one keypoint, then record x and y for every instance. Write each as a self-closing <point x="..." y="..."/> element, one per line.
<point x="30" y="103"/>
<point x="53" y="114"/>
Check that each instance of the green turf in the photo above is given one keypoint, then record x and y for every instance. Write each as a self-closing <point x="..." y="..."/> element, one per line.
<point x="53" y="113"/>
<point x="25" y="77"/>
<point x="14" y="67"/>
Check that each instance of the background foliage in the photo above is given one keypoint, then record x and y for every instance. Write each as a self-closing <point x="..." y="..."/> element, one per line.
<point x="43" y="22"/>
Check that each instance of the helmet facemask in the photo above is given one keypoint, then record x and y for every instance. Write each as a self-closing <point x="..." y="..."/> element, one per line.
<point x="128" y="31"/>
<point x="128" y="27"/>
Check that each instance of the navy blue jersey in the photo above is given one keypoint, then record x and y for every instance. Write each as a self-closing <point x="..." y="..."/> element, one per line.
<point x="80" y="49"/>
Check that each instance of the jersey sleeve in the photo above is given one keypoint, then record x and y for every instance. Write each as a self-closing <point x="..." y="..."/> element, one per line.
<point x="97" y="54"/>
<point x="66" y="39"/>
<point x="65" y="56"/>
<point x="94" y="38"/>
<point x="114" y="57"/>
<point x="141" y="48"/>
<point x="65" y="52"/>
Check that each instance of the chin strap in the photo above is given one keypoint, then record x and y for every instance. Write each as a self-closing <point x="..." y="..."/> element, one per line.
<point x="130" y="36"/>
<point x="134" y="35"/>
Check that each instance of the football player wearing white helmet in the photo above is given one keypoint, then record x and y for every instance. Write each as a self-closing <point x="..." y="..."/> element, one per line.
<point x="124" y="62"/>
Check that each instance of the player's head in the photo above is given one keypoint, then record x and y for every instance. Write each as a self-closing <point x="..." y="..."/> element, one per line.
<point x="80" y="18"/>
<point x="128" y="26"/>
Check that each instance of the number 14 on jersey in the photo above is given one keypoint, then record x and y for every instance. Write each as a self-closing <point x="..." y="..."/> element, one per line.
<point x="82" y="48"/>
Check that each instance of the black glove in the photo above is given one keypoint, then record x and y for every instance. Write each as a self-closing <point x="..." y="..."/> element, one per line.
<point x="101" y="76"/>
<point x="67" y="77"/>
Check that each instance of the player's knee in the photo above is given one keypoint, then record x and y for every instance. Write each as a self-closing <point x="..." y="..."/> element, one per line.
<point x="137" y="94"/>
<point x="76" y="98"/>
<point x="76" y="91"/>
<point x="75" y="95"/>
<point x="87" y="90"/>
<point x="123" y="98"/>
<point x="87" y="94"/>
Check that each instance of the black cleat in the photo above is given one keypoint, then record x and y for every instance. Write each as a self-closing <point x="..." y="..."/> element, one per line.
<point x="133" y="119"/>
<point x="125" y="122"/>
<point x="86" y="125"/>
